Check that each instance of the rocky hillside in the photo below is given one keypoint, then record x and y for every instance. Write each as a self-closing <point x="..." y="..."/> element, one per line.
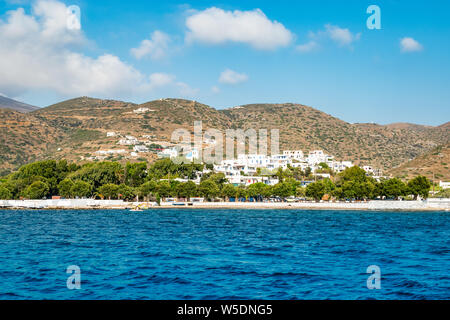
<point x="434" y="165"/>
<point x="24" y="138"/>
<point x="76" y="129"/>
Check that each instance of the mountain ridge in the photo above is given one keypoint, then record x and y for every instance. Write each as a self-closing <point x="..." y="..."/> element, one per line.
<point x="8" y="103"/>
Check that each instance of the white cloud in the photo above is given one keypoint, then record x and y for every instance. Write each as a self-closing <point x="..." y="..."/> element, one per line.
<point x="341" y="36"/>
<point x="160" y="80"/>
<point x="307" y="47"/>
<point x="39" y="53"/>
<point x="232" y="77"/>
<point x="217" y="26"/>
<point x="410" y="45"/>
<point x="186" y="91"/>
<point x="156" y="47"/>
<point x="215" y="89"/>
<point x="164" y="80"/>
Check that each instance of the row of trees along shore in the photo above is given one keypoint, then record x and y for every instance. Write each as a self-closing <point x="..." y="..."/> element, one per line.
<point x="112" y="180"/>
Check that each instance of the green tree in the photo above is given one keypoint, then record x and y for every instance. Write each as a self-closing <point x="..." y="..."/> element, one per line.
<point x="37" y="190"/>
<point x="164" y="189"/>
<point x="394" y="188"/>
<point x="300" y="191"/>
<point x="81" y="189"/>
<point x="242" y="192"/>
<point x="353" y="174"/>
<point x="99" y="174"/>
<point x="419" y="186"/>
<point x="162" y="168"/>
<point x="5" y="194"/>
<point x="126" y="192"/>
<point x="280" y="174"/>
<point x="135" y="173"/>
<point x="209" y="189"/>
<point x="109" y="190"/>
<point x="320" y="188"/>
<point x="323" y="165"/>
<point x="64" y="188"/>
<point x="14" y="187"/>
<point x="186" y="190"/>
<point x="257" y="191"/>
<point x="353" y="183"/>
<point x="308" y="173"/>
<point x="229" y="191"/>
<point x="217" y="178"/>
<point x="147" y="189"/>
<point x="283" y="190"/>
<point x="50" y="172"/>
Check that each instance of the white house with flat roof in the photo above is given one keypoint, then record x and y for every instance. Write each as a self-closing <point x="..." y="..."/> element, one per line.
<point x="168" y="153"/>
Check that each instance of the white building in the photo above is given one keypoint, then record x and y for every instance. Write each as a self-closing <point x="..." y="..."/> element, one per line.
<point x="249" y="180"/>
<point x="339" y="166"/>
<point x="111" y="152"/>
<point x="296" y="154"/>
<point x="318" y="156"/>
<point x="243" y="169"/>
<point x="368" y="169"/>
<point x="128" y="141"/>
<point x="141" y="110"/>
<point x="444" y="185"/>
<point x="140" y="149"/>
<point x="168" y="153"/>
<point x="111" y="134"/>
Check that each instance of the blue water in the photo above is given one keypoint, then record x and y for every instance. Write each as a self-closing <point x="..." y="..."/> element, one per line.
<point x="224" y="254"/>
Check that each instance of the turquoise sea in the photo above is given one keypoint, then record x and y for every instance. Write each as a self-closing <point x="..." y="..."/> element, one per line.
<point x="224" y="254"/>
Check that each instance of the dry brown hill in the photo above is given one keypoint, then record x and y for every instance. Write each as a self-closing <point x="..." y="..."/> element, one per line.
<point x="434" y="165"/>
<point x="24" y="138"/>
<point x="78" y="128"/>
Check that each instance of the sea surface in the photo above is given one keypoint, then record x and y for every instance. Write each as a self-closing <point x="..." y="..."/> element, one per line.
<point x="224" y="254"/>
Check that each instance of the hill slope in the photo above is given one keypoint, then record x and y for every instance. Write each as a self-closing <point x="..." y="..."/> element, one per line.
<point x="79" y="127"/>
<point x="434" y="165"/>
<point x="24" y="138"/>
<point x="7" y="103"/>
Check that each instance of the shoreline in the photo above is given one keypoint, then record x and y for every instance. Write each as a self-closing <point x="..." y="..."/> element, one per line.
<point x="89" y="204"/>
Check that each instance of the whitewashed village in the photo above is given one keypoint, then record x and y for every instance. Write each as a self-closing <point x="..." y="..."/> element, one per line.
<point x="245" y="169"/>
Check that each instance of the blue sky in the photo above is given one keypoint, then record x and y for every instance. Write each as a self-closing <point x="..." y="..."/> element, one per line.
<point x="228" y="53"/>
